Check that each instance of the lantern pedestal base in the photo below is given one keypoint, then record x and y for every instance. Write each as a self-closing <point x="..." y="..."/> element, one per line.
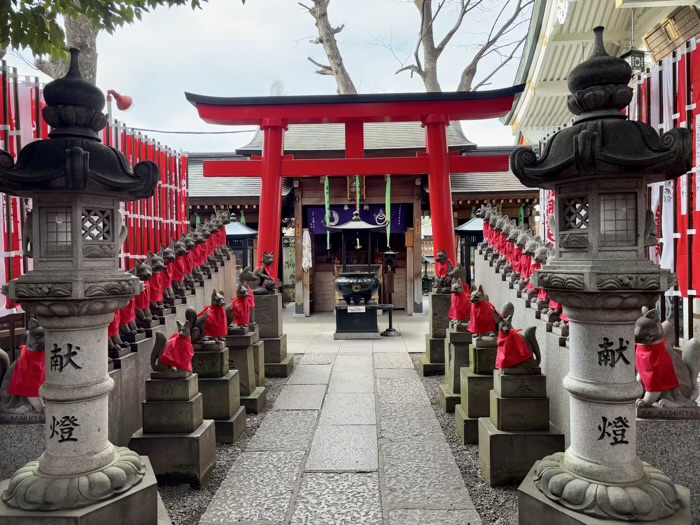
<point x="137" y="506"/>
<point x="534" y="508"/>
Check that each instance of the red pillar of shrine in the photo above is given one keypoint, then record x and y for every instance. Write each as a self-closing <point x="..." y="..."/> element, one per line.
<point x="270" y="212"/>
<point x="440" y="187"/>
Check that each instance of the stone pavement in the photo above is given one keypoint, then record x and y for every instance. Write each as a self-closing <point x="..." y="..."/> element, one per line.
<point x="352" y="439"/>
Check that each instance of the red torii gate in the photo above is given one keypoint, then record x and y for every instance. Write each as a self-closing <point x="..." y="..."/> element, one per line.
<point x="433" y="110"/>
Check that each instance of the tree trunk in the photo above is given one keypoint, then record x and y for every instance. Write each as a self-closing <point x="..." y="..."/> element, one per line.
<point x="467" y="78"/>
<point x="326" y="37"/>
<point x="430" y="52"/>
<point x="81" y="34"/>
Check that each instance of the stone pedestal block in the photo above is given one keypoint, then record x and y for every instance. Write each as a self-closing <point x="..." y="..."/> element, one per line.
<point x="276" y="349"/>
<point x="172" y="416"/>
<point x="475" y="395"/>
<point x="277" y="362"/>
<point x="211" y="363"/>
<point x="515" y="385"/>
<point x="435" y="349"/>
<point x="128" y="406"/>
<point x="282" y="369"/>
<point x="256" y="401"/>
<point x="159" y="389"/>
<point x="456" y="357"/>
<point x="241" y="358"/>
<point x="467" y="427"/>
<point x="230" y="430"/>
<point x="179" y="458"/>
<point x="534" y="508"/>
<point x="133" y="338"/>
<point x="268" y="315"/>
<point x="507" y="457"/>
<point x="519" y="414"/>
<point x="482" y="360"/>
<point x="137" y="506"/>
<point x="220" y="395"/>
<point x="439" y="309"/>
<point x="259" y="360"/>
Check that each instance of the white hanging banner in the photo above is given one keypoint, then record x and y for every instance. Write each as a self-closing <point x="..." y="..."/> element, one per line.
<point x="668" y="94"/>
<point x="667" y="256"/>
<point x="306" y="259"/>
<point x="655" y="251"/>
<point x="4" y="258"/>
<point x="633" y="104"/>
<point x="683" y="181"/>
<point x="655" y="110"/>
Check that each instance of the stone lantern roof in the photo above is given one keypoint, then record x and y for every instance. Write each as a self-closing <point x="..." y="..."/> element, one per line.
<point x="601" y="142"/>
<point x="74" y="159"/>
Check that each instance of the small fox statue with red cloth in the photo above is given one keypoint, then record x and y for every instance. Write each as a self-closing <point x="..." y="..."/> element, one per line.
<point x="174" y="355"/>
<point x="21" y="380"/>
<point x="481" y="320"/>
<point x="241" y="306"/>
<point x="213" y="321"/>
<point x="518" y="350"/>
<point x="669" y="377"/>
<point x="460" y="307"/>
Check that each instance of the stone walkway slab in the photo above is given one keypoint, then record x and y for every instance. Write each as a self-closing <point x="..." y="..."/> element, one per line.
<point x="344" y="448"/>
<point x="300" y="397"/>
<point x="351" y="382"/>
<point x="348" y="409"/>
<point x="338" y="499"/>
<point x="310" y="375"/>
<point x="285" y="430"/>
<point x="395" y="373"/>
<point x="399" y="390"/>
<point x="409" y="423"/>
<point x="392" y="360"/>
<point x="318" y="359"/>
<point x="423" y="474"/>
<point x="259" y="487"/>
<point x="433" y="517"/>
<point x="361" y="364"/>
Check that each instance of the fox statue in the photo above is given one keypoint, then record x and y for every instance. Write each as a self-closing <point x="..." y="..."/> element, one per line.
<point x="518" y="351"/>
<point x="669" y="377"/>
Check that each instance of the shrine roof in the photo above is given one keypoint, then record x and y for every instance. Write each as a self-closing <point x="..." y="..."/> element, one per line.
<point x="374" y="107"/>
<point x="223" y="186"/>
<point x="378" y="136"/>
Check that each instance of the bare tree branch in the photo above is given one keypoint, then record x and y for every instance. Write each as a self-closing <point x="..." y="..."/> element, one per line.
<point x="323" y="69"/>
<point x="326" y="37"/>
<point x="469" y="72"/>
<point x="503" y="63"/>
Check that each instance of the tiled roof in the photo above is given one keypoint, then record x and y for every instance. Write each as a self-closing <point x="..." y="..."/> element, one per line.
<point x="494" y="183"/>
<point x="223" y="186"/>
<point x="378" y="136"/>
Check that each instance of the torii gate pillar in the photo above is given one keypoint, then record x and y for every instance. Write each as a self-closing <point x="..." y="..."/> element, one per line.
<point x="440" y="186"/>
<point x="271" y="191"/>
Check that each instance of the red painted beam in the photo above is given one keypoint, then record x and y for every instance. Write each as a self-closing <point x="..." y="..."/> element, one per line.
<point x="347" y="167"/>
<point x="367" y="112"/>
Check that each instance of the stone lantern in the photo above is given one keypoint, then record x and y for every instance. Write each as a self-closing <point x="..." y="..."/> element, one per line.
<point x="600" y="167"/>
<point x="74" y="235"/>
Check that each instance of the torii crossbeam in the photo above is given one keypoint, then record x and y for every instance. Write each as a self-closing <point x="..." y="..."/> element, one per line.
<point x="433" y="110"/>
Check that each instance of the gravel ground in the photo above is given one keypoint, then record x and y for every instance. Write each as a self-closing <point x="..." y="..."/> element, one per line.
<point x="186" y="505"/>
<point x="495" y="505"/>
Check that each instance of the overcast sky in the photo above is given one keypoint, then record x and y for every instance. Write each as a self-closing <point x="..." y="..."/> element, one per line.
<point x="227" y="49"/>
